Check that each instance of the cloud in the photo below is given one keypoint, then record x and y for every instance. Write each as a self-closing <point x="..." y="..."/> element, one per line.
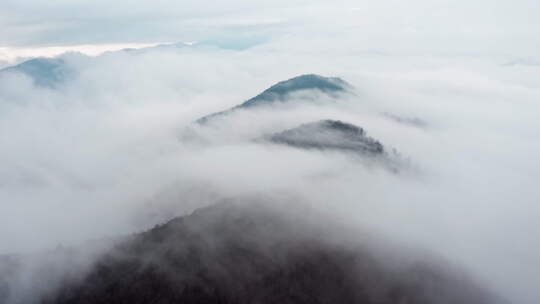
<point x="103" y="153"/>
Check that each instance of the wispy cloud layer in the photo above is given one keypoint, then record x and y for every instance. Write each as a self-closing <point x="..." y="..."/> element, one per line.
<point x="112" y="148"/>
<point x="110" y="141"/>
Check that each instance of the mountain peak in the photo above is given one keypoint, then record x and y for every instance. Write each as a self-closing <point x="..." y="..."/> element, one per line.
<point x="43" y="71"/>
<point x="281" y="92"/>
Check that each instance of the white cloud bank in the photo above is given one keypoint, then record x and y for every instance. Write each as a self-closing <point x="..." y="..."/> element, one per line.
<point x="102" y="154"/>
<point x="87" y="159"/>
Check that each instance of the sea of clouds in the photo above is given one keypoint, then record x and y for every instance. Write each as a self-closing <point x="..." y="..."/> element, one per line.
<point x="113" y="149"/>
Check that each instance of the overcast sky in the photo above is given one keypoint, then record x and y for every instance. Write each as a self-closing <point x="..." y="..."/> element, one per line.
<point x="459" y="26"/>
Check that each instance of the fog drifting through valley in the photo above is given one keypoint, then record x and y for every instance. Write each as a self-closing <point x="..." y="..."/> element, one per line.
<point x="114" y="149"/>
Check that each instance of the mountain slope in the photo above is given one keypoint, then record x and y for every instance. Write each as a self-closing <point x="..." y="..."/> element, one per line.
<point x="46" y="72"/>
<point x="235" y="253"/>
<point x="283" y="91"/>
<point x="329" y="135"/>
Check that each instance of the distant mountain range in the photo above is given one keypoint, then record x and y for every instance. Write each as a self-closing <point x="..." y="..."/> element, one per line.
<point x="49" y="72"/>
<point x="322" y="135"/>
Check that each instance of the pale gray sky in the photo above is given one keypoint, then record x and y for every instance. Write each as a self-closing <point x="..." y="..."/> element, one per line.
<point x="475" y="26"/>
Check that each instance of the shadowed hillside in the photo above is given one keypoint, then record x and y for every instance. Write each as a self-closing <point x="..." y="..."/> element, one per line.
<point x="329" y="135"/>
<point x="231" y="253"/>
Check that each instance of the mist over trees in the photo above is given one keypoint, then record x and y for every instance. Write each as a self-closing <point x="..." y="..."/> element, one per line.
<point x="412" y="127"/>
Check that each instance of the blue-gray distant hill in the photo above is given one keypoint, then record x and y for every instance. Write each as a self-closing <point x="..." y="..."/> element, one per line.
<point x="50" y="72"/>
<point x="282" y="91"/>
<point x="45" y="72"/>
